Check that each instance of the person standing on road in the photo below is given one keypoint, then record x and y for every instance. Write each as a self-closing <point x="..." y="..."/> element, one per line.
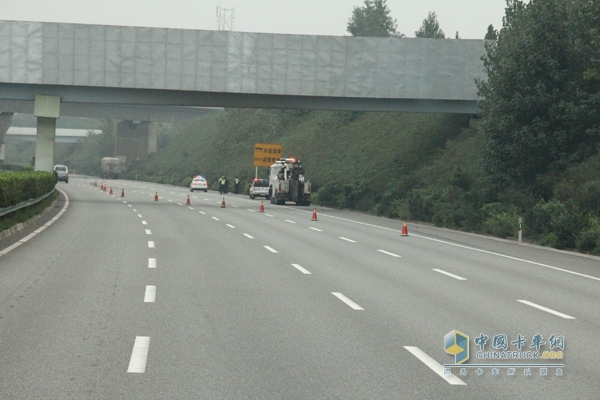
<point x="236" y="185"/>
<point x="221" y="185"/>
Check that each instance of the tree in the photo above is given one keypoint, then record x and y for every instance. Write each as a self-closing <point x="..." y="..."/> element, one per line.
<point x="491" y="34"/>
<point x="430" y="28"/>
<point x="539" y="113"/>
<point x="373" y="20"/>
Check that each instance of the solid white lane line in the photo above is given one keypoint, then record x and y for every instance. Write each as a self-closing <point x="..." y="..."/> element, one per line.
<point x="347" y="240"/>
<point x="301" y="269"/>
<point x="460" y="278"/>
<point x="144" y="223"/>
<point x="152" y="263"/>
<point x="216" y="219"/>
<point x="434" y="365"/>
<point x="314" y="229"/>
<point x="548" y="310"/>
<point x="388" y="253"/>
<point x="291" y="222"/>
<point x="272" y="250"/>
<point x="148" y="232"/>
<point x="151" y="244"/>
<point x="139" y="355"/>
<point x="231" y="226"/>
<point x="150" y="294"/>
<point x="346" y="300"/>
<point x="248" y="236"/>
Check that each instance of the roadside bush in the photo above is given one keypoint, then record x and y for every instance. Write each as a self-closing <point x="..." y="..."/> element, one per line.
<point x="558" y="224"/>
<point x="500" y="220"/>
<point x="421" y="203"/>
<point x="588" y="241"/>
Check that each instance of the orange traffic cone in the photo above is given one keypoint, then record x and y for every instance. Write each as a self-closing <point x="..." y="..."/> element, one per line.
<point x="314" y="216"/>
<point x="262" y="207"/>
<point x="95" y="184"/>
<point x="187" y="202"/>
<point x="156" y="197"/>
<point x="223" y="203"/>
<point x="110" y="191"/>
<point x="123" y="192"/>
<point x="404" y="229"/>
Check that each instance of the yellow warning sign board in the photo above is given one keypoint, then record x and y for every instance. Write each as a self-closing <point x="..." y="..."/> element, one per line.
<point x="265" y="154"/>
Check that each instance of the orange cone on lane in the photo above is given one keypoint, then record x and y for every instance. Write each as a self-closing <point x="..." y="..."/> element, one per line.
<point x="123" y="192"/>
<point x="111" y="192"/>
<point x="404" y="229"/>
<point x="314" y="214"/>
<point x="187" y="202"/>
<point x="156" y="197"/>
<point x="223" y="203"/>
<point x="262" y="207"/>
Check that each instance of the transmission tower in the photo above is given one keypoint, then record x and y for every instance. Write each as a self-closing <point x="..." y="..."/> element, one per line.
<point x="225" y="18"/>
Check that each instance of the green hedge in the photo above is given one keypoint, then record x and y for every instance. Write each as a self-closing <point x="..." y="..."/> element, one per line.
<point x="16" y="187"/>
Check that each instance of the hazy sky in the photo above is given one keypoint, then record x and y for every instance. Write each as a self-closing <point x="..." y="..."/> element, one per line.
<point x="311" y="17"/>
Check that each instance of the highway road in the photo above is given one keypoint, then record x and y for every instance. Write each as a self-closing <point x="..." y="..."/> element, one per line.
<point x="136" y="298"/>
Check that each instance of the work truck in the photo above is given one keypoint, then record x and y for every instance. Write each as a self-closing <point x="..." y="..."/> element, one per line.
<point x="287" y="183"/>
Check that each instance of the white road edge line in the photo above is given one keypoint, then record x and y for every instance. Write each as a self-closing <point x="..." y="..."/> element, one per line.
<point x="460" y="278"/>
<point x="139" y="355"/>
<point x="434" y="365"/>
<point x="348" y="302"/>
<point x="272" y="250"/>
<point x="301" y="269"/>
<point x="152" y="263"/>
<point x="388" y="253"/>
<point x="548" y="310"/>
<point x="150" y="294"/>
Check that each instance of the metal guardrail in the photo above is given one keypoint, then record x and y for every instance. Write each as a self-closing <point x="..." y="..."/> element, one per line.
<point x="23" y="204"/>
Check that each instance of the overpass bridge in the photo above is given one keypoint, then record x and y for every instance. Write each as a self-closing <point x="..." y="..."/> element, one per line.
<point x="50" y="67"/>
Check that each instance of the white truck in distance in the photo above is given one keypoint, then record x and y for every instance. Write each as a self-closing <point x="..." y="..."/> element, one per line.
<point x="112" y="167"/>
<point x="287" y="183"/>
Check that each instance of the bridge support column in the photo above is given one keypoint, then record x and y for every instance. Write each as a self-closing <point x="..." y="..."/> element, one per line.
<point x="46" y="109"/>
<point x="136" y="140"/>
<point x="5" y="121"/>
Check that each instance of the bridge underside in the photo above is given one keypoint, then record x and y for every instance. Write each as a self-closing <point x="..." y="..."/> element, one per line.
<point x="98" y="102"/>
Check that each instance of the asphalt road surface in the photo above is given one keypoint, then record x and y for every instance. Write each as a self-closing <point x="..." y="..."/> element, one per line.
<point x="138" y="295"/>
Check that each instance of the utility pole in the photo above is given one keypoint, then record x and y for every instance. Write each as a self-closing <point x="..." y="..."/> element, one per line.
<point x="225" y="18"/>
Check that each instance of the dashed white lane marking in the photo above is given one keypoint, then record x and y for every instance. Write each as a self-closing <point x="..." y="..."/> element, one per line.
<point x="231" y="226"/>
<point x="347" y="240"/>
<point x="191" y="208"/>
<point x="150" y="294"/>
<point x="170" y="201"/>
<point x="251" y="210"/>
<point x="291" y="222"/>
<point x="151" y="244"/>
<point x="140" y="215"/>
<point x="388" y="253"/>
<point x="234" y="206"/>
<point x="460" y="278"/>
<point x="139" y="355"/>
<point x="144" y="223"/>
<point x="434" y="365"/>
<point x="272" y="250"/>
<point x="548" y="310"/>
<point x="346" y="300"/>
<point x="315" y="229"/>
<point x="179" y="204"/>
<point x="216" y="219"/>
<point x="248" y="236"/>
<point x="148" y="232"/>
<point x="202" y="212"/>
<point x="301" y="269"/>
<point x="269" y="215"/>
<point x="152" y="263"/>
